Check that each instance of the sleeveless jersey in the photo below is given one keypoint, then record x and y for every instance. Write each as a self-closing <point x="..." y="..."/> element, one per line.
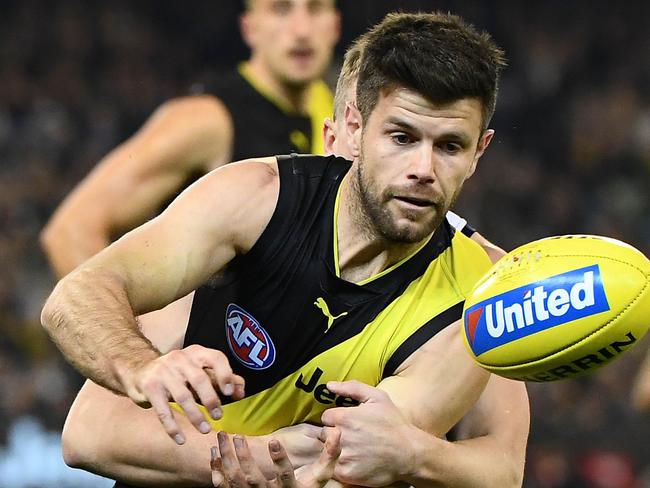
<point x="288" y="323"/>
<point x="263" y="125"/>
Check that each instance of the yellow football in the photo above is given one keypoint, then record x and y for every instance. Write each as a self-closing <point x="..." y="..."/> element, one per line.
<point x="558" y="308"/>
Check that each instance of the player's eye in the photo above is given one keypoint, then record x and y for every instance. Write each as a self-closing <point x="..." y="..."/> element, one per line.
<point x="400" y="138"/>
<point x="451" y="147"/>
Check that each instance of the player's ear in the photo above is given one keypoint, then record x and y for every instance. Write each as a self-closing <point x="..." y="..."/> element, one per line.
<point x="483" y="143"/>
<point x="329" y="136"/>
<point x="353" y="127"/>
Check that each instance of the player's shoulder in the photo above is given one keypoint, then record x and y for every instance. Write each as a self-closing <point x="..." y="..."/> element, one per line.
<point x="253" y="173"/>
<point x="195" y="129"/>
<point x="238" y="198"/>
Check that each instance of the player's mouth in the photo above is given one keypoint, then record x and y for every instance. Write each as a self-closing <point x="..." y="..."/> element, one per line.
<point x="302" y="55"/>
<point x="415" y="202"/>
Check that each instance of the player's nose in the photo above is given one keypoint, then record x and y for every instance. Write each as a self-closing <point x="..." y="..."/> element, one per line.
<point x="422" y="164"/>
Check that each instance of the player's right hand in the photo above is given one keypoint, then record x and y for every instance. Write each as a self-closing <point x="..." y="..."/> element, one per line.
<point x="186" y="376"/>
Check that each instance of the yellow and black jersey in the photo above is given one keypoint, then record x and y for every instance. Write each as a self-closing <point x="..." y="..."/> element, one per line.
<point x="263" y="125"/>
<point x="288" y="323"/>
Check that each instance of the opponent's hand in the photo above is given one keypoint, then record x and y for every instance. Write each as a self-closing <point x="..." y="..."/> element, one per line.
<point x="302" y="443"/>
<point x="375" y="436"/>
<point x="185" y="376"/>
<point x="236" y="468"/>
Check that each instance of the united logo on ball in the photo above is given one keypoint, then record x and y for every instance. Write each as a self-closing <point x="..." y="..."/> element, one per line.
<point x="249" y="343"/>
<point x="558" y="308"/>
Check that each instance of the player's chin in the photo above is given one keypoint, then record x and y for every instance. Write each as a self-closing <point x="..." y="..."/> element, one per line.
<point x="301" y="77"/>
<point x="420" y="219"/>
<point x="407" y="230"/>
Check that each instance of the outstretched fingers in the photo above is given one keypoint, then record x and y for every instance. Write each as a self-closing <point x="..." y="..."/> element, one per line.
<point x="185" y="376"/>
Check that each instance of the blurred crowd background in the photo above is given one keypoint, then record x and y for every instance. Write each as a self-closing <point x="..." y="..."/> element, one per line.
<point x="571" y="155"/>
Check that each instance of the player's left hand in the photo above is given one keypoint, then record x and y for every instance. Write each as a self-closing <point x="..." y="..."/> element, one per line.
<point x="375" y="436"/>
<point x="233" y="465"/>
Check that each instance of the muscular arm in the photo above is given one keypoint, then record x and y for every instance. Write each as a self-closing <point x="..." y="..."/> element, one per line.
<point x="491" y="449"/>
<point x="132" y="182"/>
<point x="437" y="384"/>
<point x="90" y="314"/>
<point x="110" y="436"/>
<point x="426" y="383"/>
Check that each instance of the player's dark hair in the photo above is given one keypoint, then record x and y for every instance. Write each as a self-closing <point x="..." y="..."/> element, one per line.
<point x="438" y="55"/>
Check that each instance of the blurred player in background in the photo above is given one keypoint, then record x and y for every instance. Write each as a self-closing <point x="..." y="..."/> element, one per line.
<point x="274" y="103"/>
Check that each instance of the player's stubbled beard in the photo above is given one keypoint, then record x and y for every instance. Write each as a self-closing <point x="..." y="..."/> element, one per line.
<point x="379" y="220"/>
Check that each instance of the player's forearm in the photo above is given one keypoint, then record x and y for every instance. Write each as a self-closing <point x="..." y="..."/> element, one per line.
<point x="463" y="464"/>
<point x="89" y="317"/>
<point x="136" y="450"/>
<point x="130" y="445"/>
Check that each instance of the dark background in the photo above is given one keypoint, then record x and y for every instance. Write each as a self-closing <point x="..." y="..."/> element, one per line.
<point x="571" y="155"/>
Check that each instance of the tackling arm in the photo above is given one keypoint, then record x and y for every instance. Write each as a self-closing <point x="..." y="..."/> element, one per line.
<point x="492" y="449"/>
<point x="127" y="443"/>
<point x="110" y="436"/>
<point x="395" y="434"/>
<point x="137" y="178"/>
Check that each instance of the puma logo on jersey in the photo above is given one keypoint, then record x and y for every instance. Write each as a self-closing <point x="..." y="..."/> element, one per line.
<point x="320" y="303"/>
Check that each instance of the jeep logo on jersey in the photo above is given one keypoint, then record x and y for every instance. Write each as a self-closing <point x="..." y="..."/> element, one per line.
<point x="248" y="341"/>
<point x="535" y="307"/>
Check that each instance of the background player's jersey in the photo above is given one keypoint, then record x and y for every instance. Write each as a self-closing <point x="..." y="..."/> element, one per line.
<point x="288" y="323"/>
<point x="263" y="124"/>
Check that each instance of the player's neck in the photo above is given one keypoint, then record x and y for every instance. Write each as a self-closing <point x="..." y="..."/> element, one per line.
<point x="293" y="97"/>
<point x="362" y="253"/>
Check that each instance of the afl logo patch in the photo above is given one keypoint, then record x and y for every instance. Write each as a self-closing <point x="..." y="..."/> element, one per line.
<point x="247" y="340"/>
